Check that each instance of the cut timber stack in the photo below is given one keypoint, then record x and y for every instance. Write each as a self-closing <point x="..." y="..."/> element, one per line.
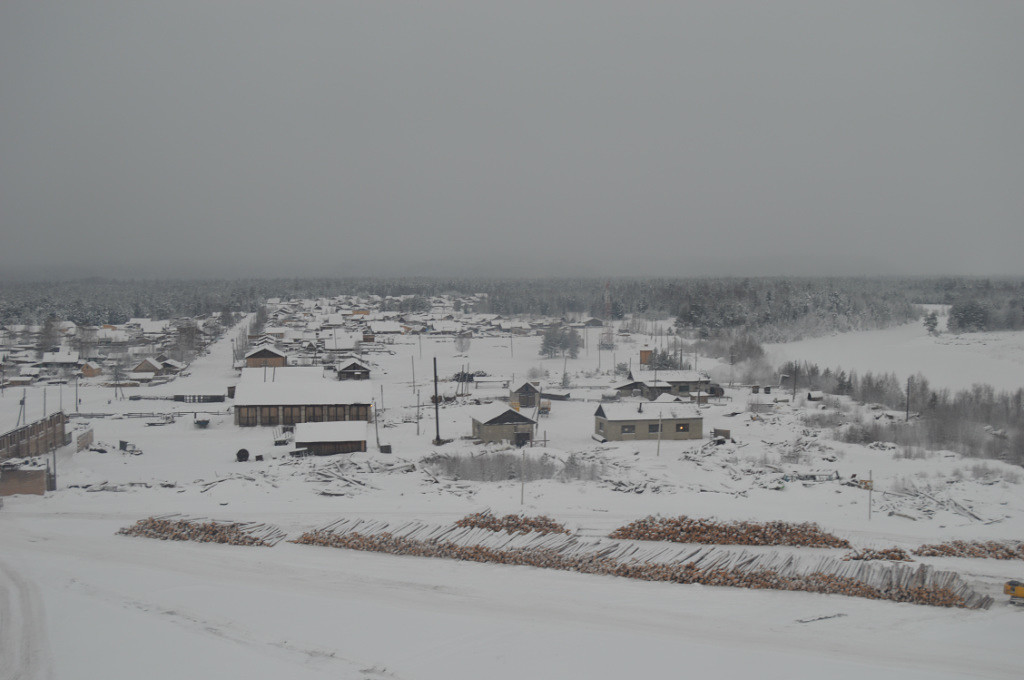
<point x="891" y="554"/>
<point x="686" y="530"/>
<point x="996" y="550"/>
<point x="705" y="565"/>
<point x="178" y="528"/>
<point x="513" y="524"/>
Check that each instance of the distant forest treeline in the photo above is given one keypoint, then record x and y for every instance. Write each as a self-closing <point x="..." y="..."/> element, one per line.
<point x="769" y="309"/>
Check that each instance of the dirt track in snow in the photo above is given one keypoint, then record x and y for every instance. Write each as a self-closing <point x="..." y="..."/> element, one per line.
<point x="24" y="649"/>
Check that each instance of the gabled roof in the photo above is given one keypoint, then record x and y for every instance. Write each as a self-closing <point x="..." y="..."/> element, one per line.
<point x="261" y="349"/>
<point x="345" y="365"/>
<point x="148" y="362"/>
<point x="528" y="386"/>
<point x="497" y="415"/>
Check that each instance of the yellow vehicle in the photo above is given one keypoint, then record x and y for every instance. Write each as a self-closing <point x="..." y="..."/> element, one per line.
<point x="1015" y="589"/>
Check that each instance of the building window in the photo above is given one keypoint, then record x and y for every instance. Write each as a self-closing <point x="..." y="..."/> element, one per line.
<point x="682" y="427"/>
<point x="292" y="415"/>
<point x="314" y="414"/>
<point x="268" y="415"/>
<point x="629" y="429"/>
<point x="600" y="426"/>
<point x="247" y="416"/>
<point x="655" y="428"/>
<point x="334" y="413"/>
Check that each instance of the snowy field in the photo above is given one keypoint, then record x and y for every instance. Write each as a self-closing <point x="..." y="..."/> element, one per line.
<point x="952" y="361"/>
<point x="78" y="601"/>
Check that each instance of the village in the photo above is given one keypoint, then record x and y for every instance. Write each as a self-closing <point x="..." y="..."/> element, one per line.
<point x="450" y="433"/>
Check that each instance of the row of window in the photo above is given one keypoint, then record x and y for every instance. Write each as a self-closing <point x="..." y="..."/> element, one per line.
<point x="652" y="428"/>
<point x="292" y="415"/>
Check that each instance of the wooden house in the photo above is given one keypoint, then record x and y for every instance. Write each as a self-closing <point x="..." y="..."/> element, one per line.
<point x="149" y="365"/>
<point x="679" y="382"/>
<point x="91" y="369"/>
<point x="353" y="370"/>
<point x="265" y="356"/>
<point x="498" y="424"/>
<point x="326" y="439"/>
<point x="639" y="420"/>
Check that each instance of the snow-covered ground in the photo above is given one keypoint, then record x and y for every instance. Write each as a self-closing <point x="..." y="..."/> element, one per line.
<point x="947" y="360"/>
<point x="78" y="601"/>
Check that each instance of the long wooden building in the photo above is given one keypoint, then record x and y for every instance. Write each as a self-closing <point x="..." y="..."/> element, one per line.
<point x="274" y="403"/>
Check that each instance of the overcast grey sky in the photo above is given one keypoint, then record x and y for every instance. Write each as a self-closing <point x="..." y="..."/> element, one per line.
<point x="259" y="137"/>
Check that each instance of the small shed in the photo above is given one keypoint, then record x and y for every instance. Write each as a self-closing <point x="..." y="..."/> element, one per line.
<point x="327" y="439"/>
<point x="815" y="395"/>
<point x="526" y="395"/>
<point x="503" y="424"/>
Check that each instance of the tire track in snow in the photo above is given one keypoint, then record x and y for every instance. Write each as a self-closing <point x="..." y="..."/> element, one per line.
<point x="24" y="647"/>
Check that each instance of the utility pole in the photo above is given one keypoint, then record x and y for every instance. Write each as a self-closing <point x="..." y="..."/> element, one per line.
<point x="417" y="414"/>
<point x="871" y="489"/>
<point x="376" y="428"/>
<point x="522" y="480"/>
<point x="437" y="409"/>
<point x="658" y="453"/>
<point x="796" y="372"/>
<point x="381" y="397"/>
<point x="908" y="399"/>
<point x="413" y="360"/>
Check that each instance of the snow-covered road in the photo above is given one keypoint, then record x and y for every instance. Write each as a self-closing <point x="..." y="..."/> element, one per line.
<point x="24" y="650"/>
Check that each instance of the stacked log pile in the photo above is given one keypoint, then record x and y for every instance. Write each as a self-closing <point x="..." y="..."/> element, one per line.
<point x="687" y="530"/>
<point x="704" y="565"/>
<point x="513" y="524"/>
<point x="996" y="550"/>
<point x="891" y="554"/>
<point x="178" y="528"/>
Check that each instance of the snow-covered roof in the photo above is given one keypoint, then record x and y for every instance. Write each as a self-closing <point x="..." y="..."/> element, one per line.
<point x="651" y="411"/>
<point x="150" y="362"/>
<point x="264" y="348"/>
<point x="341" y="431"/>
<point x="669" y="376"/>
<point x="385" y="327"/>
<point x="303" y="394"/>
<point x="60" y="358"/>
<point x="282" y="375"/>
<point x="489" y="412"/>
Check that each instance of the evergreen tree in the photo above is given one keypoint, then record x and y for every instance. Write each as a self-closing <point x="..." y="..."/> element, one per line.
<point x="551" y="343"/>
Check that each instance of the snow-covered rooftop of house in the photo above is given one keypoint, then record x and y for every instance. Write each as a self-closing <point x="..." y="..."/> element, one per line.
<point x="282" y="375"/>
<point x="60" y="358"/>
<point x="264" y="348"/>
<point x="303" y="393"/>
<point x="650" y="411"/>
<point x="340" y="431"/>
<point x="489" y="412"/>
<point x="669" y="376"/>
